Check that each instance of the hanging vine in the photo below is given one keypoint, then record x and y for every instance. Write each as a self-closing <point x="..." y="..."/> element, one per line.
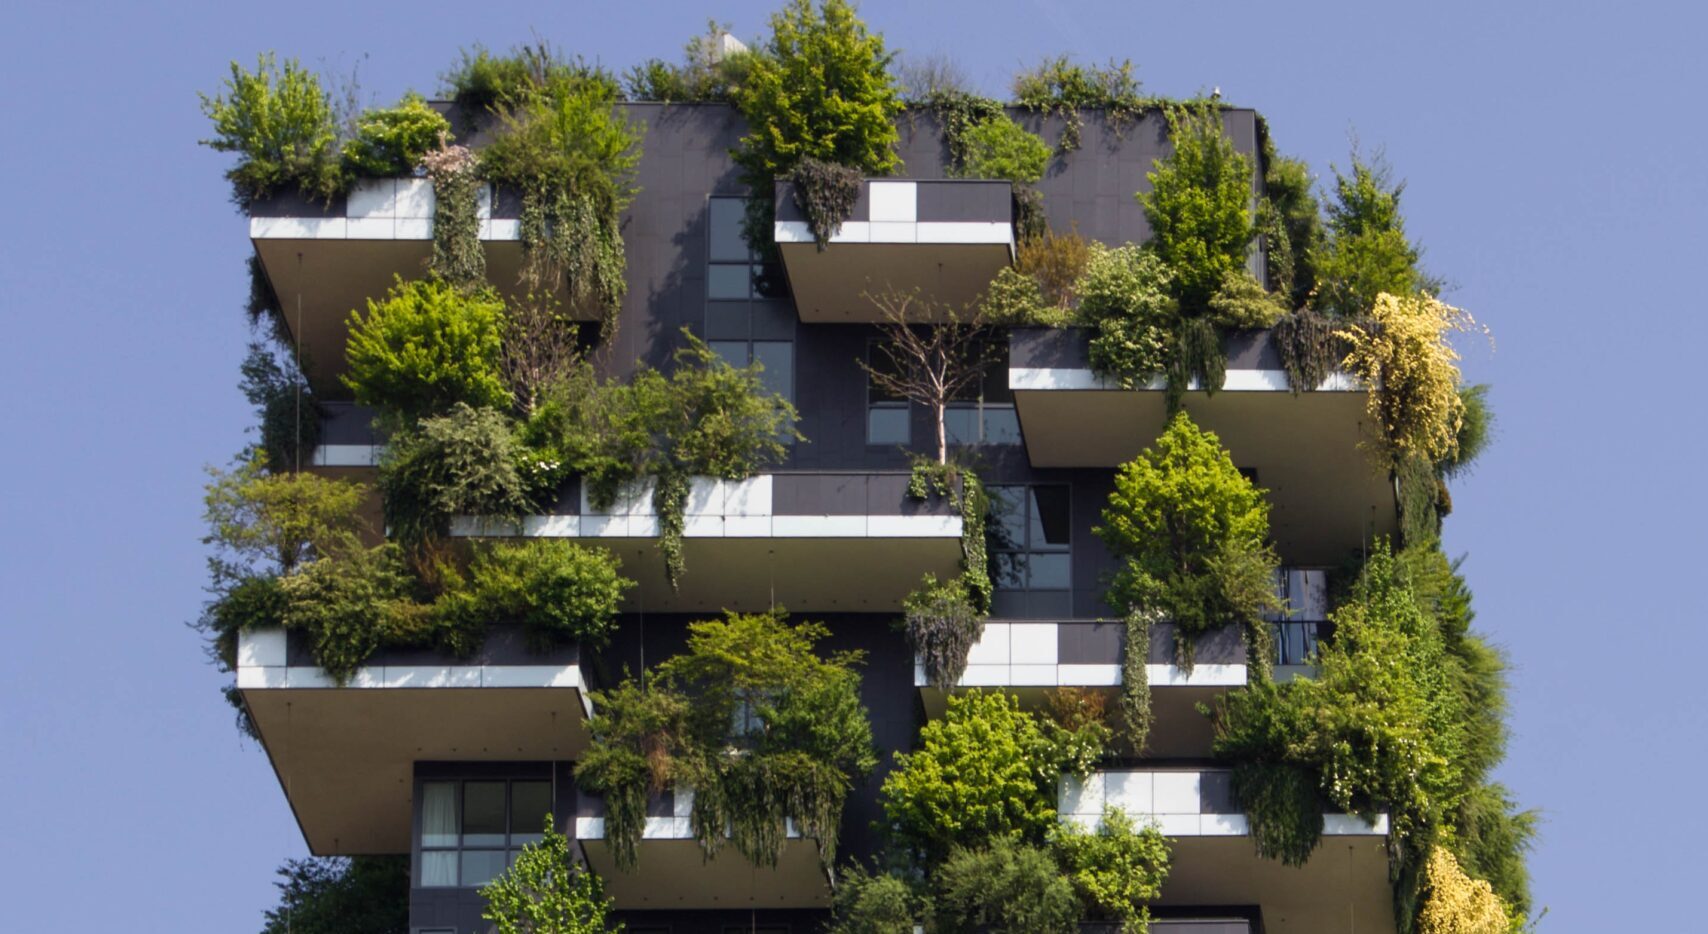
<point x="1135" y="700"/>
<point x="458" y="257"/>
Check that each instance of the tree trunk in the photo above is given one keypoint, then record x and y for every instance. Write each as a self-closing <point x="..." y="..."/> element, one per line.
<point x="942" y="436"/>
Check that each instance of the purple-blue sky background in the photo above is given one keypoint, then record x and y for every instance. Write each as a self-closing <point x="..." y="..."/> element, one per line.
<point x="1554" y="160"/>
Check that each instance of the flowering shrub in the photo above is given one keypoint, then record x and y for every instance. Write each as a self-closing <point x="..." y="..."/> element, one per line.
<point x="1412" y="371"/>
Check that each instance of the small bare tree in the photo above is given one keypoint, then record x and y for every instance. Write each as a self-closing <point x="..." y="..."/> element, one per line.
<point x="935" y="351"/>
<point x="540" y="348"/>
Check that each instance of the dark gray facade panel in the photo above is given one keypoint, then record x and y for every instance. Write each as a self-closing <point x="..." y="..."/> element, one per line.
<point x="504" y="645"/>
<point x="1070" y="349"/>
<point x="347" y="423"/>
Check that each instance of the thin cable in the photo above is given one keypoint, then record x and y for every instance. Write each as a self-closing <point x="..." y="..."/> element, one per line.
<point x="297" y="448"/>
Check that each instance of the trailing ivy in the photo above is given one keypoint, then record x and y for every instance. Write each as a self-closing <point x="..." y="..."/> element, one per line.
<point x="942" y="626"/>
<point x="826" y="192"/>
<point x="1061" y="87"/>
<point x="458" y="256"/>
<point x="1309" y="348"/>
<point x="1135" y="700"/>
<point x="753" y="720"/>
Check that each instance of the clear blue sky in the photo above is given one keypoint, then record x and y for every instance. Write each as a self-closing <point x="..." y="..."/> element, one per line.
<point x="1554" y="159"/>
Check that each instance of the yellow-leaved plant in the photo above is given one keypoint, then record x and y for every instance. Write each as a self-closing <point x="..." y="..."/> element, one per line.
<point x="1457" y="903"/>
<point x="1412" y="370"/>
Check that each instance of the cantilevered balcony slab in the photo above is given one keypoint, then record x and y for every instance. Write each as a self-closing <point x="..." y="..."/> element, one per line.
<point x="1212" y="860"/>
<point x="945" y="240"/>
<point x="344" y="755"/>
<point x="326" y="260"/>
<point x="1309" y="450"/>
<point x="817" y="542"/>
<point x="672" y="871"/>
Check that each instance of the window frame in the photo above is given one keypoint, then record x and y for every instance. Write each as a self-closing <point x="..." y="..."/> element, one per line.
<point x="514" y="839"/>
<point x="1027" y="548"/>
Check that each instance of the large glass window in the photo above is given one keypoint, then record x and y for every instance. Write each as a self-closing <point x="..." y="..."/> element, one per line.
<point x="984" y="412"/>
<point x="1029" y="540"/>
<point x="734" y="272"/>
<point x="471" y="830"/>
<point x="887" y="414"/>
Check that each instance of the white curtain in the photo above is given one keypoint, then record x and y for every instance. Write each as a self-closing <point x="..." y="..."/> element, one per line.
<point x="439" y="828"/>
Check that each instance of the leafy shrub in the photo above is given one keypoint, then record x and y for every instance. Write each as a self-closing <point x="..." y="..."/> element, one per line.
<point x="1062" y="87"/>
<point x="279" y="121"/>
<point x="1006" y="887"/>
<point x="557" y="591"/>
<point x="708" y="73"/>
<point x="341" y="895"/>
<point x="1076" y="724"/>
<point x="997" y="147"/>
<point x="1242" y="303"/>
<point x="1190" y="532"/>
<point x="1476" y="423"/>
<point x="819" y="88"/>
<point x="1057" y="262"/>
<point x="392" y="141"/>
<point x="350" y="606"/>
<point x="289" y="416"/>
<point x="1366" y="253"/>
<point x="985" y="771"/>
<point x="826" y="192"/>
<point x="1457" y="904"/>
<point x="1198" y="206"/>
<point x="1125" y="294"/>
<point x="1290" y="220"/>
<point x="1014" y="298"/>
<point x="1117" y="870"/>
<point x="424" y="348"/>
<point x="462" y="463"/>
<point x="262" y="523"/>
<point x="1403" y="355"/>
<point x="546" y="891"/>
<point x="870" y="903"/>
<point x="773" y="732"/>
<point x="942" y="626"/>
<point x="482" y="80"/>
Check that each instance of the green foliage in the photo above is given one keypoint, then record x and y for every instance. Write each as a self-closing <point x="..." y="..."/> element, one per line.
<point x="942" y="626"/>
<point x="424" y="348"/>
<point x="1197" y="354"/>
<point x="391" y="142"/>
<point x="279" y="121"/>
<point x="985" y="771"/>
<point x="572" y="154"/>
<point x="1126" y="293"/>
<point x="1242" y="303"/>
<point x="1134" y="704"/>
<point x="265" y="312"/>
<point x="546" y="891"/>
<point x="1476" y="424"/>
<point x="871" y="903"/>
<point x="556" y="591"/>
<point x="1290" y="220"/>
<point x="262" y="523"/>
<point x="341" y="895"/>
<point x="753" y="720"/>
<point x="1366" y="252"/>
<point x="1282" y="802"/>
<point x="482" y="80"/>
<point x="1062" y="87"/>
<point x="997" y="147"/>
<point x="458" y="257"/>
<point x="465" y="463"/>
<point x="975" y="554"/>
<point x="826" y="192"/>
<point x="1422" y="499"/>
<point x="285" y="406"/>
<point x="1014" y="298"/>
<point x="350" y="606"/>
<point x="1309" y="348"/>
<point x="707" y="73"/>
<point x="1076" y="723"/>
<point x="1118" y="870"/>
<point x="1490" y="838"/>
<point x="819" y="88"/>
<point x="1198" y="206"/>
<point x="1007" y="887"/>
<point x="1191" y="533"/>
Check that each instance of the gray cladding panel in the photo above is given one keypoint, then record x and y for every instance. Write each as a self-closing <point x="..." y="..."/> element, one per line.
<point x="504" y="645"/>
<point x="1070" y="349"/>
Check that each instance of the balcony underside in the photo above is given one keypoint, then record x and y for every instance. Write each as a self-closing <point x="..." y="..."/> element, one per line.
<point x="1328" y="495"/>
<point x="833" y="286"/>
<point x="345" y="755"/>
<point x="1342" y="888"/>
<point x="674" y="874"/>
<point x="333" y="277"/>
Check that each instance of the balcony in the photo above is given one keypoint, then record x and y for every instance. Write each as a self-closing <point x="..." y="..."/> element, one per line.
<point x="345" y="755"/>
<point x="1028" y="658"/>
<point x="814" y="542"/>
<point x="672" y="872"/>
<point x="1328" y="496"/>
<point x="325" y="261"/>
<point x="1343" y="887"/>
<point x="944" y="239"/>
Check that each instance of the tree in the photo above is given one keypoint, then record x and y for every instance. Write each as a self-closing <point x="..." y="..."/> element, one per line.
<point x="546" y="892"/>
<point x="1117" y="870"/>
<point x="1191" y="534"/>
<point x="868" y="903"/>
<point x="339" y="895"/>
<point x="986" y="770"/>
<point x="1366" y="252"/>
<point x="1127" y="293"/>
<point x="934" y="354"/>
<point x="285" y="406"/>
<point x="1199" y="206"/>
<point x="392" y="141"/>
<point x="424" y="348"/>
<point x="1005" y="888"/>
<point x="268" y="524"/>
<point x="279" y="120"/>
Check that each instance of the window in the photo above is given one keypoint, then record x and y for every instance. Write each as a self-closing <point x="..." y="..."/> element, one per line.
<point x="472" y="830"/>
<point x="1304" y="592"/>
<point x="734" y="272"/>
<point x="776" y="357"/>
<point x="984" y="414"/>
<point x="887" y="414"/>
<point x="1028" y="530"/>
